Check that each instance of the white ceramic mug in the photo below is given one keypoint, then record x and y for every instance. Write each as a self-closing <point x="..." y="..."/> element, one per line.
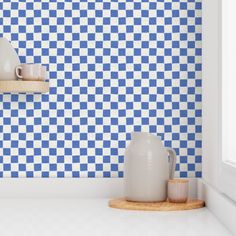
<point x="31" y="72"/>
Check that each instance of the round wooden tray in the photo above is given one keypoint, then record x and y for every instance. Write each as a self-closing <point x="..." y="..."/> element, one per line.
<point x="121" y="203"/>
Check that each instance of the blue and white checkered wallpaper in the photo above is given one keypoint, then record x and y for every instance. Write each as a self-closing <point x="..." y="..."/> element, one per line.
<point x="115" y="67"/>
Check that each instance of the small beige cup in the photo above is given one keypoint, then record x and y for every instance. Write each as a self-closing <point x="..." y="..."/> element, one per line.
<point x="31" y="72"/>
<point x="178" y="190"/>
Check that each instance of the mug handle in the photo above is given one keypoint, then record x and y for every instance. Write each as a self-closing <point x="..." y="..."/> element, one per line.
<point x="172" y="164"/>
<point x="18" y="69"/>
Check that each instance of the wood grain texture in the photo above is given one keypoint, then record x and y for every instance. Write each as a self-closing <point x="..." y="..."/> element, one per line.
<point x="178" y="181"/>
<point x="121" y="203"/>
<point x="18" y="86"/>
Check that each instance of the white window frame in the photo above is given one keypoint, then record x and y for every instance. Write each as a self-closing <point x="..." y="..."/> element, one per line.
<point x="227" y="170"/>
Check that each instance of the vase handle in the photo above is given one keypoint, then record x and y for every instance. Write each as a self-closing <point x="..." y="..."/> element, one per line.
<point x="18" y="72"/>
<point x="172" y="162"/>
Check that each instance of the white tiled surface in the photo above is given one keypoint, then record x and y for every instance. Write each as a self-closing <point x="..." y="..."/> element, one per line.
<point x="92" y="217"/>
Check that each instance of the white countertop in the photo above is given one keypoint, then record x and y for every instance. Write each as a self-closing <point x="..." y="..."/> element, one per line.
<point x="40" y="217"/>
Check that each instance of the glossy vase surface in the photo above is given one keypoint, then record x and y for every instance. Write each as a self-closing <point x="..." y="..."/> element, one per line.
<point x="8" y="60"/>
<point x="148" y="167"/>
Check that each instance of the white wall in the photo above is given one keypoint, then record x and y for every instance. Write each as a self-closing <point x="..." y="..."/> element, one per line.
<point x="69" y="188"/>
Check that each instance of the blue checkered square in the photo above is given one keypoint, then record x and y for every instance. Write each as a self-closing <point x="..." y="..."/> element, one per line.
<point x="115" y="67"/>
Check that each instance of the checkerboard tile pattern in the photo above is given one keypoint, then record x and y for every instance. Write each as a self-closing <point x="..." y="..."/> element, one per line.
<point x="115" y="67"/>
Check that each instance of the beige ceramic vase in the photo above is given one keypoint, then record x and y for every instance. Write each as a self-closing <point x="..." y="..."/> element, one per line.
<point x="148" y="167"/>
<point x="8" y="60"/>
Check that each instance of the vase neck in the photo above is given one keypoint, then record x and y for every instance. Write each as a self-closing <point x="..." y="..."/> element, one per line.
<point x="144" y="137"/>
